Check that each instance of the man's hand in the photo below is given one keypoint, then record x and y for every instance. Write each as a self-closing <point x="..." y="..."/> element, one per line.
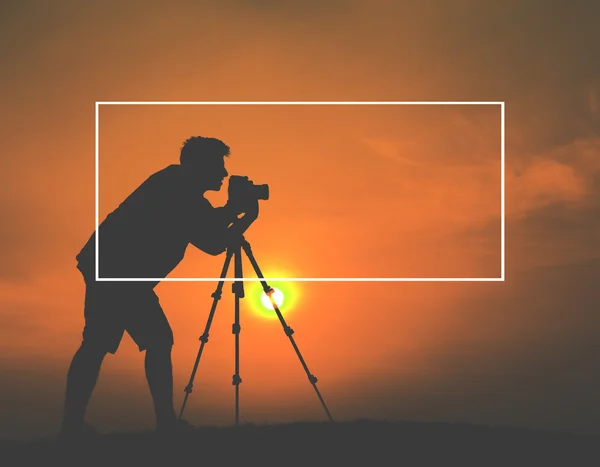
<point x="251" y="210"/>
<point x="241" y="224"/>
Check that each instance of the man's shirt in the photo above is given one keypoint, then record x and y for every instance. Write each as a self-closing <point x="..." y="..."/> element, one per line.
<point x="147" y="235"/>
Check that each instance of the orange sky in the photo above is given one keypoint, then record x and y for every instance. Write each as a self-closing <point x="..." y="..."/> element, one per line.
<point x="355" y="192"/>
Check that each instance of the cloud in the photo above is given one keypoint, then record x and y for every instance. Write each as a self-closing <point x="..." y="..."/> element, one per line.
<point x="457" y="156"/>
<point x="449" y="194"/>
<point x="543" y="183"/>
<point x="565" y="174"/>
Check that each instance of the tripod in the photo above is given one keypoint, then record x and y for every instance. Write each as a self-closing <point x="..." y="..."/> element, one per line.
<point x="235" y="250"/>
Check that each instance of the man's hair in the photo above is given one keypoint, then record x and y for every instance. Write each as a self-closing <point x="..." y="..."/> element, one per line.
<point x="199" y="149"/>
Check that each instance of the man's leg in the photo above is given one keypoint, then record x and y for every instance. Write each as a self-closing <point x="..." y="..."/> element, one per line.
<point x="81" y="380"/>
<point x="149" y="328"/>
<point x="159" y="373"/>
<point x="102" y="333"/>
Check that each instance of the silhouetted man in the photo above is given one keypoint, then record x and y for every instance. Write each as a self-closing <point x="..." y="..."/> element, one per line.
<point x="146" y="236"/>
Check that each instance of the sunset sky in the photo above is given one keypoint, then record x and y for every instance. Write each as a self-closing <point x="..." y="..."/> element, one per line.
<point x="356" y="191"/>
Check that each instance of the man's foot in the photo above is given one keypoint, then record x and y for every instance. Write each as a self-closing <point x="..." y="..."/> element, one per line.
<point x="75" y="434"/>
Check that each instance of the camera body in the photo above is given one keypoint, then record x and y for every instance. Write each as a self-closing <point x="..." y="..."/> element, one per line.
<point x="242" y="190"/>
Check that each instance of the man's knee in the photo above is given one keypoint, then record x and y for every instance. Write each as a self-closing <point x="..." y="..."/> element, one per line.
<point x="160" y="340"/>
<point x="162" y="347"/>
<point x="92" y="350"/>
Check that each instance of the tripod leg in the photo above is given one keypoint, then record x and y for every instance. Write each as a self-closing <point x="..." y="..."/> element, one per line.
<point x="238" y="290"/>
<point x="204" y="337"/>
<point x="288" y="331"/>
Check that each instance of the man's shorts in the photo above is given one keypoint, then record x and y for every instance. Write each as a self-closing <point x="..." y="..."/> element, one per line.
<point x="111" y="308"/>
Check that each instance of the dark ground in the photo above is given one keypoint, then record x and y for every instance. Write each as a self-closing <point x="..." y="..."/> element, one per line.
<point x="367" y="443"/>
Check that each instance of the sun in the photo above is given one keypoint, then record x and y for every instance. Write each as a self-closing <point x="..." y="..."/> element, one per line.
<point x="277" y="297"/>
<point x="286" y="295"/>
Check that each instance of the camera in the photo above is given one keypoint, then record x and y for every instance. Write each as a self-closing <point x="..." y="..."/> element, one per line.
<point x="242" y="190"/>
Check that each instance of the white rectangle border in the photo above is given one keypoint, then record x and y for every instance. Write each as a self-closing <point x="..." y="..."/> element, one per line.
<point x="317" y="279"/>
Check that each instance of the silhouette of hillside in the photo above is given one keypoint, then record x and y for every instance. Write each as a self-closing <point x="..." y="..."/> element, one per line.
<point x="368" y="443"/>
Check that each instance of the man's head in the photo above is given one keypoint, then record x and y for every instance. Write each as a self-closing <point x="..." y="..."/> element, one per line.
<point x="205" y="159"/>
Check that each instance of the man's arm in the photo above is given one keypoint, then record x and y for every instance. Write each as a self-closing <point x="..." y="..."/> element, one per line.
<point x="214" y="229"/>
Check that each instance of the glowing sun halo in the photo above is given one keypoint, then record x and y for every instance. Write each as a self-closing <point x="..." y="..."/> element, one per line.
<point x="277" y="296"/>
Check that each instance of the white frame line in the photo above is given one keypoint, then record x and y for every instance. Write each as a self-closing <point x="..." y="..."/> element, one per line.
<point x="314" y="279"/>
